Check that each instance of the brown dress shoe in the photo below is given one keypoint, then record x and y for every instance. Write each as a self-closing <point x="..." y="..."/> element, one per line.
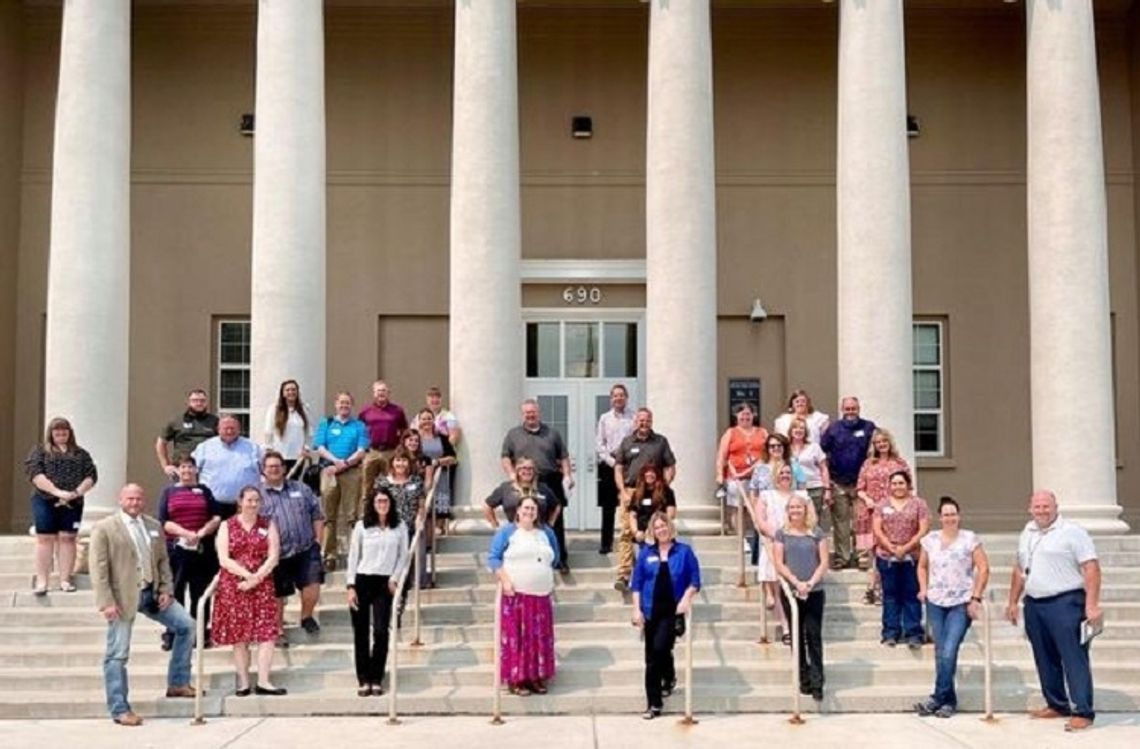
<point x="128" y="719"/>
<point x="1046" y="713"/>
<point x="183" y="691"/>
<point x="1077" y="723"/>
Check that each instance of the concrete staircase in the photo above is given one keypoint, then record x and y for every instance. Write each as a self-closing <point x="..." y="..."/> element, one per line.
<point x="51" y="648"/>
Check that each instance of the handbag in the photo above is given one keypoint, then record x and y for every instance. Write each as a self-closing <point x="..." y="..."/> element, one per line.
<point x="679" y="625"/>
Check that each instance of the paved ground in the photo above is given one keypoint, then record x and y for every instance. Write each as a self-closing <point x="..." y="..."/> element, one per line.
<point x="1113" y="731"/>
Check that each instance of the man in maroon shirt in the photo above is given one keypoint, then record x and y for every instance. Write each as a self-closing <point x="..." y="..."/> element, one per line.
<point x="385" y="421"/>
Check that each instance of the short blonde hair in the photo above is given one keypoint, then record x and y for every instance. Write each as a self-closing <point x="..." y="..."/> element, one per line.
<point x="810" y="518"/>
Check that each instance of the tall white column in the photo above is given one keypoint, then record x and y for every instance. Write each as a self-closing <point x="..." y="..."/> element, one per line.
<point x="88" y="296"/>
<point x="874" y="309"/>
<point x="680" y="206"/>
<point x="1070" y="338"/>
<point x="287" y="295"/>
<point x="485" y="344"/>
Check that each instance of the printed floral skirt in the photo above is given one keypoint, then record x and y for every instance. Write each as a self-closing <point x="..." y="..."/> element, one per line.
<point x="527" y="639"/>
<point x="864" y="538"/>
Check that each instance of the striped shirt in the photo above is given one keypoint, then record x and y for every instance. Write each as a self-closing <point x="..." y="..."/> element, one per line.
<point x="188" y="506"/>
<point x="294" y="508"/>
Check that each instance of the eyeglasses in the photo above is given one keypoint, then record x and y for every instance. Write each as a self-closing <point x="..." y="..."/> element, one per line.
<point x="775" y="446"/>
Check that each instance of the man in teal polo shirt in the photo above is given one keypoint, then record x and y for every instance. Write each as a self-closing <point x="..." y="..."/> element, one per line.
<point x="341" y="442"/>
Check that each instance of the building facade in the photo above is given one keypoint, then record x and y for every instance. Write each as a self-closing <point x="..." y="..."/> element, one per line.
<point x="932" y="202"/>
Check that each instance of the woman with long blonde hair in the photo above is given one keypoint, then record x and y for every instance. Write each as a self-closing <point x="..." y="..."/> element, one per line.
<point x="800" y="554"/>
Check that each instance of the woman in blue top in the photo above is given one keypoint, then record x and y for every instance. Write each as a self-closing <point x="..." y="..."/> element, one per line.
<point x="665" y="579"/>
<point x="524" y="555"/>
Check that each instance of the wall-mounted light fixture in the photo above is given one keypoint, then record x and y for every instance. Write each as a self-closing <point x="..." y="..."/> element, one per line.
<point x="246" y="126"/>
<point x="581" y="126"/>
<point x="758" y="313"/>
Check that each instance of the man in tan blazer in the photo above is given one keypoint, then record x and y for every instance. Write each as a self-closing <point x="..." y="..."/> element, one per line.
<point x="130" y="573"/>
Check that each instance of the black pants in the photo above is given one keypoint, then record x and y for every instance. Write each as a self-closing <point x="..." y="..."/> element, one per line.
<point x="811" y="638"/>
<point x="373" y="607"/>
<point x="193" y="571"/>
<point x="608" y="501"/>
<point x="554" y="481"/>
<point x="659" y="669"/>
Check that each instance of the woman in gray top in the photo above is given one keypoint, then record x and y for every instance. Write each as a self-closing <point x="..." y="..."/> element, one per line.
<point x="800" y="556"/>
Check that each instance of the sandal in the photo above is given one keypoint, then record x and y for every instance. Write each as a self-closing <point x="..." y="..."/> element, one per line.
<point x="519" y="690"/>
<point x="364" y="690"/>
<point x="539" y="687"/>
<point x="67" y="586"/>
<point x="39" y="591"/>
<point x="786" y="638"/>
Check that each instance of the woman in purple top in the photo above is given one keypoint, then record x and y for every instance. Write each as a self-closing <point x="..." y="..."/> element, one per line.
<point x="952" y="574"/>
<point x="899" y="525"/>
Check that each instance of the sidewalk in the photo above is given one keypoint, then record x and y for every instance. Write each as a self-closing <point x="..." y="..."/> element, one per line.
<point x="883" y="731"/>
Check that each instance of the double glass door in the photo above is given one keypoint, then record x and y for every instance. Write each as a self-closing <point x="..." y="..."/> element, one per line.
<point x="571" y="367"/>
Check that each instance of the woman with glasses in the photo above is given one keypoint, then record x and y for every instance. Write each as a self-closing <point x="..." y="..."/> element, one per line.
<point x="769" y="512"/>
<point x="872" y="489"/>
<point x="524" y="555"/>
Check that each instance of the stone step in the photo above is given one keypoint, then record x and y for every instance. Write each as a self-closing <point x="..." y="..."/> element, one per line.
<point x="571" y="673"/>
<point x="332" y="655"/>
<point x="448" y="700"/>
<point x="864" y="633"/>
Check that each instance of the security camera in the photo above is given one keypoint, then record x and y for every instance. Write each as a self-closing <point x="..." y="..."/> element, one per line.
<point x="758" y="313"/>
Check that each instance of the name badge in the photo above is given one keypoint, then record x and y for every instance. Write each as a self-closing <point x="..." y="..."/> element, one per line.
<point x="646" y="502"/>
<point x="860" y="433"/>
<point x="187" y="425"/>
<point x="653" y="559"/>
<point x="263" y="531"/>
<point x="888" y="510"/>
<point x="635" y="451"/>
<point x="295" y="495"/>
<point x="335" y="431"/>
<point x="196" y="490"/>
<point x="154" y="534"/>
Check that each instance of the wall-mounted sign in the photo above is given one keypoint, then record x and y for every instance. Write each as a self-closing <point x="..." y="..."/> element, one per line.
<point x="582" y="295"/>
<point x="743" y="390"/>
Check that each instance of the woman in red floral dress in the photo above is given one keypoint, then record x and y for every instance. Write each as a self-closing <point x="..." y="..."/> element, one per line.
<point x="246" y="607"/>
<point x="873" y="489"/>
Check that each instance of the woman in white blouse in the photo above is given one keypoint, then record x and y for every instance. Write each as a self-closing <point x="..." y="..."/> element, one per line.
<point x="377" y="552"/>
<point x="799" y="405"/>
<point x="288" y="429"/>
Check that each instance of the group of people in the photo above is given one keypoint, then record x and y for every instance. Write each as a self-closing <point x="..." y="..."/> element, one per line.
<point x="819" y="495"/>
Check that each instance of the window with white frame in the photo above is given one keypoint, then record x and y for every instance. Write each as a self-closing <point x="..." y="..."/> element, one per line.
<point x="929" y="388"/>
<point x="232" y="366"/>
<point x="588" y="349"/>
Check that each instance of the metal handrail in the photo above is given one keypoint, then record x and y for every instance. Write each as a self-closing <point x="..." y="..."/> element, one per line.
<point x="200" y="644"/>
<point x="394" y="627"/>
<point x="497" y="654"/>
<point x="987" y="649"/>
<point x="689" y="720"/>
<point x="742" y="580"/>
<point x="796" y="718"/>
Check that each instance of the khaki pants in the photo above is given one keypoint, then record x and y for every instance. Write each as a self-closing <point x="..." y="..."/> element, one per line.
<point x="339" y="495"/>
<point x="842" y="511"/>
<point x="626" y="543"/>
<point x="375" y="463"/>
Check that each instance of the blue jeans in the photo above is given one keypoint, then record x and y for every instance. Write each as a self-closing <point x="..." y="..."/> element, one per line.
<point x="902" y="612"/>
<point x="175" y="619"/>
<point x="1053" y="626"/>
<point x="949" y="624"/>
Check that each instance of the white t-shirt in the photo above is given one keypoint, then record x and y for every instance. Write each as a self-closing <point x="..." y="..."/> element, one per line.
<point x="296" y="435"/>
<point x="1051" y="558"/>
<point x="816" y="423"/>
<point x="527" y="560"/>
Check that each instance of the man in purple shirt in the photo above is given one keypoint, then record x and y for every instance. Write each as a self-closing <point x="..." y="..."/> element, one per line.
<point x="845" y="443"/>
<point x="385" y="421"/>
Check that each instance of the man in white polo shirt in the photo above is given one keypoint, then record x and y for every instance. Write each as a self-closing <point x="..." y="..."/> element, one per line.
<point x="1058" y="571"/>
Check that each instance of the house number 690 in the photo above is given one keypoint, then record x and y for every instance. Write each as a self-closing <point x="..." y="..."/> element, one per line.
<point x="582" y="295"/>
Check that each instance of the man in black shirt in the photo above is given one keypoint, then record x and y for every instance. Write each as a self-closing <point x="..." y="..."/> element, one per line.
<point x="185" y="432"/>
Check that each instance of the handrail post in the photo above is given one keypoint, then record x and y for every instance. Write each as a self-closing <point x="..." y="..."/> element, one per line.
<point x="200" y="645"/>
<point x="741" y="580"/>
<point x="689" y="720"/>
<point x="987" y="645"/>
<point x="416" y="590"/>
<point x="796" y="718"/>
<point x="434" y="527"/>
<point x="394" y="669"/>
<point x="496" y="657"/>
